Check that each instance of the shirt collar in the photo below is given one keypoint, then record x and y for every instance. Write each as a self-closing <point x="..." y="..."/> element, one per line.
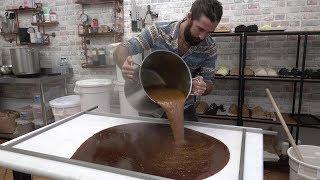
<point x="175" y="28"/>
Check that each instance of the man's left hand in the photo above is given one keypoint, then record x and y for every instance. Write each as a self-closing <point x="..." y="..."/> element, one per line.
<point x="198" y="86"/>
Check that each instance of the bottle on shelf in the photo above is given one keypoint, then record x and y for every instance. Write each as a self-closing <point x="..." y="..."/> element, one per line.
<point x="95" y="59"/>
<point x="64" y="66"/>
<point x="102" y="56"/>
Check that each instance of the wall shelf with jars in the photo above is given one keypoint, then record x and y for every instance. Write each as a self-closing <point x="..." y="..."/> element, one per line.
<point x="42" y="17"/>
<point x="91" y="27"/>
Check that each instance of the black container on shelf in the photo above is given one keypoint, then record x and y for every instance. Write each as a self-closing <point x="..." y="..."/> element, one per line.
<point x="23" y="35"/>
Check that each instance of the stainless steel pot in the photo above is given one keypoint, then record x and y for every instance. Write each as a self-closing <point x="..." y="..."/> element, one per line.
<point x="158" y="68"/>
<point x="25" y="61"/>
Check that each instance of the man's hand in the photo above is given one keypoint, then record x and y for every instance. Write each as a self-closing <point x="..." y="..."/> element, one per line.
<point x="128" y="68"/>
<point x="198" y="86"/>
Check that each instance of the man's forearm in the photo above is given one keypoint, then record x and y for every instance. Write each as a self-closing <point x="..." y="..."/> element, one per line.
<point x="120" y="55"/>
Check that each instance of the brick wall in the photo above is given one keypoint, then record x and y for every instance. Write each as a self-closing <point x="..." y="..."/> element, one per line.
<point x="275" y="52"/>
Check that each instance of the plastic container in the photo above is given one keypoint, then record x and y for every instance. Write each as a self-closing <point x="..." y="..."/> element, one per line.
<point x="38" y="124"/>
<point x="64" y="66"/>
<point x="94" y="92"/>
<point x="24" y="127"/>
<point x="310" y="168"/>
<point x="125" y="107"/>
<point x="26" y="113"/>
<point x="36" y="108"/>
<point x="65" y="106"/>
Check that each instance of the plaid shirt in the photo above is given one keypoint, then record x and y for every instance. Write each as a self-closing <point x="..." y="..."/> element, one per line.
<point x="200" y="59"/>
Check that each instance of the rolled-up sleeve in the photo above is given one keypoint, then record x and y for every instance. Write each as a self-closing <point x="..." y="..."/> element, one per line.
<point x="143" y="41"/>
<point x="208" y="65"/>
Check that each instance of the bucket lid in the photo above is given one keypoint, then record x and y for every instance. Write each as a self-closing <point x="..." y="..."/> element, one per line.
<point x="22" y="122"/>
<point x="94" y="83"/>
<point x="66" y="101"/>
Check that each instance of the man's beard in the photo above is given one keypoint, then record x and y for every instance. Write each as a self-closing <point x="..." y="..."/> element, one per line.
<point x="192" y="41"/>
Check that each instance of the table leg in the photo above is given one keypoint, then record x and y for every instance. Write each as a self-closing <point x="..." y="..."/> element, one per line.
<point x="21" y="176"/>
<point x="43" y="105"/>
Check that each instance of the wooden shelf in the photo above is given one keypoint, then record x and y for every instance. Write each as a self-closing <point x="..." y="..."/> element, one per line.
<point x="307" y="120"/>
<point x="287" y="118"/>
<point x="92" y="2"/>
<point x="35" y="44"/>
<point x="273" y="78"/>
<point x="53" y="23"/>
<point x="110" y="34"/>
<point x="8" y="34"/>
<point x="312" y="80"/>
<point x="23" y="10"/>
<point x="223" y="117"/>
<point x="226" y="77"/>
<point x="97" y="66"/>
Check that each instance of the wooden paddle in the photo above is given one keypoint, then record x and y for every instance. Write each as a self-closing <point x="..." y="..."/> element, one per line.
<point x="284" y="125"/>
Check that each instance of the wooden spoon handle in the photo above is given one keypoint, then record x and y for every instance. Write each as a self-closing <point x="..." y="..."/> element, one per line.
<point x="284" y="125"/>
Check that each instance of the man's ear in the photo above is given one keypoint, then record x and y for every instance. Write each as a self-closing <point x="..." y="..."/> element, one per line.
<point x="189" y="16"/>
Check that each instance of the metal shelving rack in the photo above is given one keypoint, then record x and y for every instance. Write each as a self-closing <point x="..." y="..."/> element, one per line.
<point x="295" y="118"/>
<point x="117" y="36"/>
<point x="40" y="25"/>
<point x="39" y="82"/>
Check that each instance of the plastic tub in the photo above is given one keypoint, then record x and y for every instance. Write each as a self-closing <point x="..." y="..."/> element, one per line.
<point x="65" y="106"/>
<point x="310" y="168"/>
<point x="125" y="107"/>
<point x="38" y="123"/>
<point x="24" y="127"/>
<point x="94" y="92"/>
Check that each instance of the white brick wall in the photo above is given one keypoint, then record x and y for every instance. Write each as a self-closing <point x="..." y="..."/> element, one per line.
<point x="276" y="51"/>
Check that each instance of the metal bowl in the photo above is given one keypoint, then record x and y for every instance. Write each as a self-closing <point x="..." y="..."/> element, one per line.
<point x="4" y="70"/>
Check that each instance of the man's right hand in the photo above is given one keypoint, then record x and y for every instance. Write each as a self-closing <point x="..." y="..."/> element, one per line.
<point x="128" y="68"/>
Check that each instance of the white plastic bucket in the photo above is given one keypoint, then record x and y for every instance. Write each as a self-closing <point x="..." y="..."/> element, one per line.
<point x="310" y="168"/>
<point x="65" y="106"/>
<point x="125" y="107"/>
<point x="94" y="92"/>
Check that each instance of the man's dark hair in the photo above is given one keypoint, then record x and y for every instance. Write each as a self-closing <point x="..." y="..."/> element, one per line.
<point x="210" y="8"/>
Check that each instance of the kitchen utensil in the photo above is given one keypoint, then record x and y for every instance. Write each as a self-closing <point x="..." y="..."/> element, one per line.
<point x="285" y="127"/>
<point x="53" y="16"/>
<point x="35" y="18"/>
<point x="31" y="30"/>
<point x="83" y="18"/>
<point x="101" y="56"/>
<point x="28" y="3"/>
<point x="95" y="57"/>
<point x="158" y="68"/>
<point x="25" y="61"/>
<point x="39" y="37"/>
<point x="95" y="23"/>
<point x="6" y="69"/>
<point x="33" y="37"/>
<point x="46" y="17"/>
<point x="46" y="10"/>
<point x="24" y="36"/>
<point x="10" y="20"/>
